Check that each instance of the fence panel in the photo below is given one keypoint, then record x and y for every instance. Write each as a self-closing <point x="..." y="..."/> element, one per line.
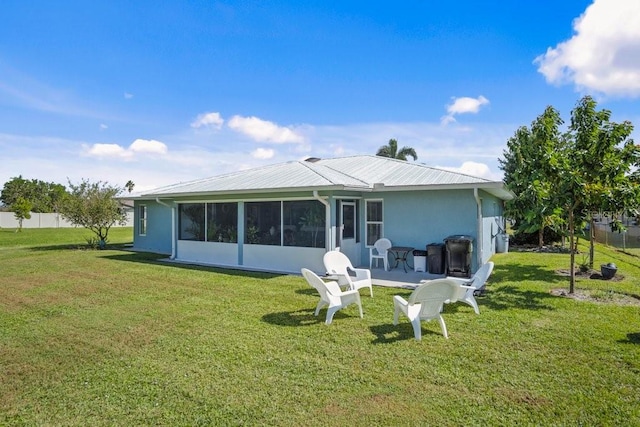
<point x="45" y="220"/>
<point x="623" y="240"/>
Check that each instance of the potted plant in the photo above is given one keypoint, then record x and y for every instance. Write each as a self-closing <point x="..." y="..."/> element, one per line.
<point x="608" y="271"/>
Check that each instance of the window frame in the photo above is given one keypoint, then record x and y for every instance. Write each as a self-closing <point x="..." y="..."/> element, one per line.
<point x="142" y="220"/>
<point x="367" y="221"/>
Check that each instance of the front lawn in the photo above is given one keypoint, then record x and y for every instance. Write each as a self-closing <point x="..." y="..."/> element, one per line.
<point x="114" y="337"/>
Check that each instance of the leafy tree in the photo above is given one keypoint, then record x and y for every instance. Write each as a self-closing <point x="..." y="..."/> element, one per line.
<point x="391" y="150"/>
<point x="129" y="186"/>
<point x="526" y="171"/>
<point x="44" y="196"/>
<point x="93" y="206"/>
<point x="607" y="156"/>
<point x="564" y="178"/>
<point x="22" y="210"/>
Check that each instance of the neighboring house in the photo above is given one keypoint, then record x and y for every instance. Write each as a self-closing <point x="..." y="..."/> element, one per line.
<point x="286" y="216"/>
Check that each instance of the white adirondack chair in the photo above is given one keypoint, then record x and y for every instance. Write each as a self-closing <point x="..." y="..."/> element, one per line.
<point x="338" y="264"/>
<point x="425" y="303"/>
<point x="331" y="295"/>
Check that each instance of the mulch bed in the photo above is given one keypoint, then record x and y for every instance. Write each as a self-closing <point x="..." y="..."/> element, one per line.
<point x="597" y="296"/>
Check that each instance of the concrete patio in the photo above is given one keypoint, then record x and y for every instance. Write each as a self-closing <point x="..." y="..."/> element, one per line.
<point x="397" y="278"/>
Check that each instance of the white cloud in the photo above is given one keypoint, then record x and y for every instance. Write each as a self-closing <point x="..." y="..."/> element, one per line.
<point x="463" y="105"/>
<point x="263" y="153"/>
<point x="264" y="131"/>
<point x="139" y="146"/>
<point x="108" y="150"/>
<point x="103" y="126"/>
<point x="149" y="146"/>
<point x="208" y="119"/>
<point x="128" y="95"/>
<point x="475" y="169"/>
<point x="604" y="53"/>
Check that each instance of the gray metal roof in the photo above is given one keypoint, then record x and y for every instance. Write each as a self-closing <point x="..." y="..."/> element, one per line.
<point x="365" y="173"/>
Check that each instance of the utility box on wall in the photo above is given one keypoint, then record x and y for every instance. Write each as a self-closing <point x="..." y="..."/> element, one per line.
<point x="459" y="249"/>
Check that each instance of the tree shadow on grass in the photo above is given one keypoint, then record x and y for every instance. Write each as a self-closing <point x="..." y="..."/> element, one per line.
<point x="518" y="272"/>
<point x="83" y="247"/>
<point x="632" y="338"/>
<point x="502" y="292"/>
<point x="509" y="296"/>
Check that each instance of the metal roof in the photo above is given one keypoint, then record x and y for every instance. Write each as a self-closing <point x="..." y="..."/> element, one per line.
<point x="365" y="173"/>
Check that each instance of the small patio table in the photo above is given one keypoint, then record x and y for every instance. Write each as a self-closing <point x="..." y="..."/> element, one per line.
<point x="400" y="254"/>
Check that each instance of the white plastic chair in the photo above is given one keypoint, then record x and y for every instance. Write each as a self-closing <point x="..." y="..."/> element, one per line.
<point x="331" y="295"/>
<point x="338" y="264"/>
<point x="380" y="251"/>
<point x="473" y="285"/>
<point x="425" y="303"/>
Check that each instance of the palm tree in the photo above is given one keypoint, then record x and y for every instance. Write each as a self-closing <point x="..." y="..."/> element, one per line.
<point x="391" y="150"/>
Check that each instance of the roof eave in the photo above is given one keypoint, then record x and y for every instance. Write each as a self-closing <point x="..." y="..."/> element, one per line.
<point x="153" y="196"/>
<point x="493" y="187"/>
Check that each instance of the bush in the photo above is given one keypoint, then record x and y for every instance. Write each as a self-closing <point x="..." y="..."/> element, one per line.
<point x="550" y="237"/>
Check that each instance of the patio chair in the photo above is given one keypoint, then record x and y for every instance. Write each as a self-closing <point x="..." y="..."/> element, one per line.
<point x="331" y="295"/>
<point x="380" y="251"/>
<point x="338" y="264"/>
<point x="425" y="303"/>
<point x="472" y="286"/>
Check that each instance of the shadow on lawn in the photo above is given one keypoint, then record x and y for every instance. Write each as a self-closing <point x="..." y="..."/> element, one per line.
<point x="388" y="333"/>
<point x="151" y="258"/>
<point x="632" y="338"/>
<point x="296" y="318"/>
<point x="519" y="272"/>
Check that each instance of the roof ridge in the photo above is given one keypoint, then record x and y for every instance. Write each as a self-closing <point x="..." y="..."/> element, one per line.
<point x="313" y="166"/>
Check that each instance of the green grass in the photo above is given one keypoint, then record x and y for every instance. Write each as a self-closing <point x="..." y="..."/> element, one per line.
<point x="117" y="338"/>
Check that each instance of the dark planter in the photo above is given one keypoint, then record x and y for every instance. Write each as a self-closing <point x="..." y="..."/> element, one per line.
<point x="608" y="271"/>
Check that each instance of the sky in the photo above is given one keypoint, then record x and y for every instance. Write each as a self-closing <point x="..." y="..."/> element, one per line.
<point x="161" y="92"/>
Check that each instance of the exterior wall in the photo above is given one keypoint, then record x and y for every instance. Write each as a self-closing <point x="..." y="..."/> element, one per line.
<point x="158" y="236"/>
<point x="283" y="258"/>
<point x="492" y="224"/>
<point x="419" y="218"/>
<point x="208" y="252"/>
<point x="411" y="218"/>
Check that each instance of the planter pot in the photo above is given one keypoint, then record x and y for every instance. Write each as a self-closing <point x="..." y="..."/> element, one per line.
<point x="608" y="271"/>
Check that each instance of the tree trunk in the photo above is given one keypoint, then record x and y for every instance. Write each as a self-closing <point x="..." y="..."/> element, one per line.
<point x="572" y="252"/>
<point x="592" y="238"/>
<point x="541" y="237"/>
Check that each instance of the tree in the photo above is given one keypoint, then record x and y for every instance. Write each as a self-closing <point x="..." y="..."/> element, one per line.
<point x="391" y="150"/>
<point x="22" y="210"/>
<point x="564" y="178"/>
<point x="607" y="156"/>
<point x="94" y="207"/>
<point x="44" y="196"/>
<point x="526" y="172"/>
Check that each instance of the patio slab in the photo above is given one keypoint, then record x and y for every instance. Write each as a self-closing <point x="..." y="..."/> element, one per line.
<point x="397" y="278"/>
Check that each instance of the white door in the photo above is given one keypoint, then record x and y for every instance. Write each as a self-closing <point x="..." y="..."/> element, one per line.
<point x="348" y="224"/>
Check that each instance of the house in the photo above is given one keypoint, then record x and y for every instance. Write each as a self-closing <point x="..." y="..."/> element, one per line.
<point x="286" y="216"/>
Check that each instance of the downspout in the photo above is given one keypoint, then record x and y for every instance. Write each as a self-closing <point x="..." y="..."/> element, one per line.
<point x="479" y="240"/>
<point x="327" y="218"/>
<point x="173" y="227"/>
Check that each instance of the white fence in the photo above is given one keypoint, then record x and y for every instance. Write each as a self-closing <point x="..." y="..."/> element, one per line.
<point x="45" y="220"/>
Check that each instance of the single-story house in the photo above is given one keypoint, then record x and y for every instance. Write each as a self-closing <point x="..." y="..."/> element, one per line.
<point x="285" y="216"/>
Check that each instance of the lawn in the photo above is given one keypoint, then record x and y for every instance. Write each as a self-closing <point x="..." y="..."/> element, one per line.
<point x="113" y="337"/>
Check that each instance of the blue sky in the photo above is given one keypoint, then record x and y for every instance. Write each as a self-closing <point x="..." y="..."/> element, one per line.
<point x="160" y="92"/>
